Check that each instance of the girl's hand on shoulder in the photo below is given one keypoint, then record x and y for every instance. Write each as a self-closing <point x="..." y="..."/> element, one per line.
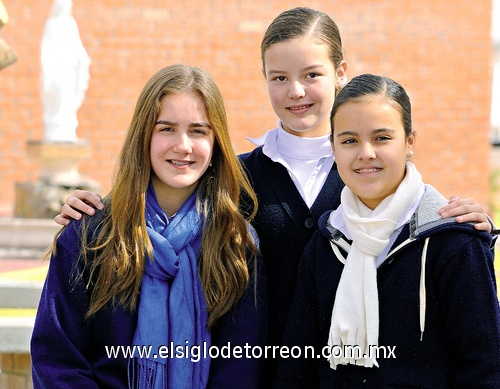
<point x="466" y="210"/>
<point x="80" y="201"/>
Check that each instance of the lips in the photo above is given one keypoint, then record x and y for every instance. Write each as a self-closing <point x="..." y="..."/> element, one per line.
<point x="299" y="107"/>
<point x="367" y="170"/>
<point x="180" y="163"/>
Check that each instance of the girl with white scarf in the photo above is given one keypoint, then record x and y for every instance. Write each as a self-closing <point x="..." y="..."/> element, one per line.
<point x="388" y="293"/>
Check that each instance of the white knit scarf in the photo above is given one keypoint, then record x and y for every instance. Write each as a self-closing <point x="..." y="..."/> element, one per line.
<point x="355" y="316"/>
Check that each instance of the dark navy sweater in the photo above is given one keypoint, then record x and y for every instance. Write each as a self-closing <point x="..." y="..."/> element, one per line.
<point x="460" y="347"/>
<point x="69" y="352"/>
<point x="284" y="224"/>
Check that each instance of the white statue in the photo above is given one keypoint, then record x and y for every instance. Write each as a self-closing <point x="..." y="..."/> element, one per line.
<point x="65" y="74"/>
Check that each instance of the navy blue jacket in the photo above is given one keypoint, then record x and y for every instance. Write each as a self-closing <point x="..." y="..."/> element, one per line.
<point x="460" y="347"/>
<point x="69" y="352"/>
<point x="284" y="224"/>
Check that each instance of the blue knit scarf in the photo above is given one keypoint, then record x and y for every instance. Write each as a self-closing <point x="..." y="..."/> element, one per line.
<point x="172" y="310"/>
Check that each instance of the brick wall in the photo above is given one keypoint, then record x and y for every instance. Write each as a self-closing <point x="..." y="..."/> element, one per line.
<point x="439" y="50"/>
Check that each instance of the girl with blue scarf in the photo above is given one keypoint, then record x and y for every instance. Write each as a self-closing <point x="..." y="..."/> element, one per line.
<point x="163" y="288"/>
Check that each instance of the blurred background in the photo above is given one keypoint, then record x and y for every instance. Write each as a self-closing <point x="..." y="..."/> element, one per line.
<point x="442" y="52"/>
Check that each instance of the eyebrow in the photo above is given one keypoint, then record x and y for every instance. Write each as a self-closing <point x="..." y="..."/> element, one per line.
<point x="374" y="132"/>
<point x="196" y="124"/>
<point x="271" y="71"/>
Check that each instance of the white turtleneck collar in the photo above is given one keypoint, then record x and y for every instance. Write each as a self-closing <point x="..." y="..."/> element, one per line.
<point x="308" y="160"/>
<point x="279" y="143"/>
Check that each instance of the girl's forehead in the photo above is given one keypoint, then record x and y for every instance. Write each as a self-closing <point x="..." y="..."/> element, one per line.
<point x="298" y="52"/>
<point x="300" y="44"/>
<point x="367" y="116"/>
<point x="183" y="105"/>
<point x="375" y="98"/>
<point x="371" y="104"/>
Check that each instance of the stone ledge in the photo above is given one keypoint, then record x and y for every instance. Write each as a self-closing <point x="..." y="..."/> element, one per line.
<point x="33" y="235"/>
<point x="20" y="294"/>
<point x="22" y="253"/>
<point x="15" y="334"/>
<point x="59" y="150"/>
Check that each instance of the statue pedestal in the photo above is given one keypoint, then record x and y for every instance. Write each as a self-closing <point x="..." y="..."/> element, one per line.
<point x="59" y="177"/>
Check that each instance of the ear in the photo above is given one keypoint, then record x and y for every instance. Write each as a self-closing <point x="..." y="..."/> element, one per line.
<point x="342" y="75"/>
<point x="412" y="139"/>
<point x="410" y="143"/>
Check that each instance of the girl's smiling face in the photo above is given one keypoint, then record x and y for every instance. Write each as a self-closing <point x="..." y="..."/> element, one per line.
<point x="181" y="145"/>
<point x="301" y="81"/>
<point x="370" y="147"/>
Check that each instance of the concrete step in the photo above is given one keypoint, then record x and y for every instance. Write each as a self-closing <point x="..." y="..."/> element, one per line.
<point x="26" y="238"/>
<point x="15" y="332"/>
<point x="20" y="290"/>
<point x="20" y="294"/>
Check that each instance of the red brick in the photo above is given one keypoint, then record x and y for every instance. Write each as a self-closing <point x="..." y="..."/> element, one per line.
<point x="428" y="46"/>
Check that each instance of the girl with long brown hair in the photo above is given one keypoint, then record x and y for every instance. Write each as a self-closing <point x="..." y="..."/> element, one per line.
<point x="167" y="263"/>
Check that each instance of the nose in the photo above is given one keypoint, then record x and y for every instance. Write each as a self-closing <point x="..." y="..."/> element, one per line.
<point x="366" y="151"/>
<point x="296" y="91"/>
<point x="183" y="144"/>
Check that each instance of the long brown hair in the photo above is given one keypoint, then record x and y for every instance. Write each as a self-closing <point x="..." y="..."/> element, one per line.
<point x="114" y="259"/>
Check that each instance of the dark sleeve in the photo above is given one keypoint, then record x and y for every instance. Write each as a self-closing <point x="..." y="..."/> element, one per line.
<point x="302" y="334"/>
<point x="467" y="291"/>
<point x="242" y="335"/>
<point x="61" y="335"/>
